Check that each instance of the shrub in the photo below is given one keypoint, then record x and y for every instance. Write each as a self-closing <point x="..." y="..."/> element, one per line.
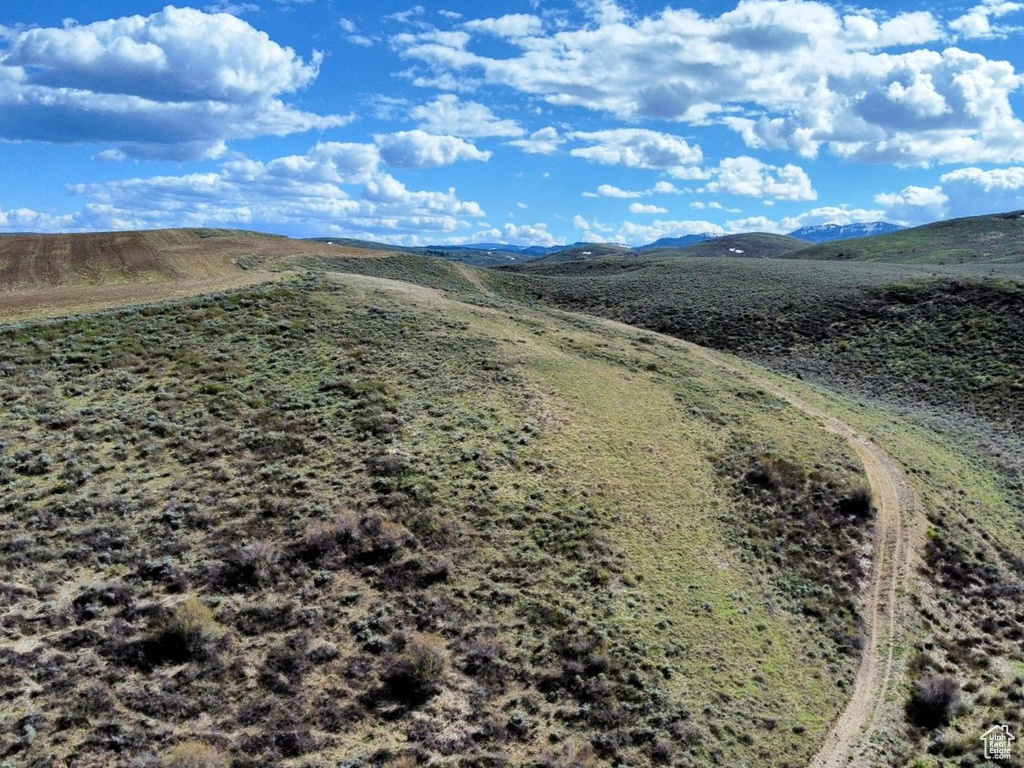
<point x="196" y="754"/>
<point x="571" y="755"/>
<point x="380" y="540"/>
<point x="274" y="614"/>
<point x="388" y="463"/>
<point x="484" y="660"/>
<point x="189" y="633"/>
<point x="415" y="674"/>
<point x="935" y="700"/>
<point x="286" y="664"/>
<point x="324" y="538"/>
<point x="662" y="752"/>
<point x="857" y="502"/>
<point x="255" y="565"/>
<point x="775" y="474"/>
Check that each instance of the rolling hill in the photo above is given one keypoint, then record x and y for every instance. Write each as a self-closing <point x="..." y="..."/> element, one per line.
<point x="753" y="245"/>
<point x="43" y="261"/>
<point x="995" y="238"/>
<point x="586" y="252"/>
<point x="954" y="336"/>
<point x="482" y="254"/>
<point x="374" y="523"/>
<point x="393" y="510"/>
<point x="48" y="275"/>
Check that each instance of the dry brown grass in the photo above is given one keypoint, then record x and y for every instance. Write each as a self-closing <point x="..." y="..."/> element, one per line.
<point x="55" y="275"/>
<point x="196" y="754"/>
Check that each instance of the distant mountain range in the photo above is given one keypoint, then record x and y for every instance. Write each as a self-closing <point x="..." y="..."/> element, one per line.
<point x="491" y="254"/>
<point x="524" y="250"/>
<point x="677" y="242"/>
<point x="826" y="233"/>
<point x="821" y="234"/>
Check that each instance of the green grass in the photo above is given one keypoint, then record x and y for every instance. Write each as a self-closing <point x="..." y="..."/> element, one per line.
<point x="949" y="339"/>
<point x="319" y="522"/>
<point x="419" y="270"/>
<point x="932" y="355"/>
<point x="994" y="238"/>
<point x="965" y="618"/>
<point x="374" y="523"/>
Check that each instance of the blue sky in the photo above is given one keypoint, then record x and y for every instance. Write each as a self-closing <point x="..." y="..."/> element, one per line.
<point x="519" y="121"/>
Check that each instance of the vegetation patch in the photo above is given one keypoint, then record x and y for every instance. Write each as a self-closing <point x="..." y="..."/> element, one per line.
<point x="317" y="522"/>
<point x="941" y="342"/>
<point x="811" y="535"/>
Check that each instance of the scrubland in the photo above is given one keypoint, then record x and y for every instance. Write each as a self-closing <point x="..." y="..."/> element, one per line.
<point x="345" y="520"/>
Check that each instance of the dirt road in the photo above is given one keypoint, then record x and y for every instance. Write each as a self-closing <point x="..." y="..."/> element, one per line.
<point x="898" y="529"/>
<point x="898" y="535"/>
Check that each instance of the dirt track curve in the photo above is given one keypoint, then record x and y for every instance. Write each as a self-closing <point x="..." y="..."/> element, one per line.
<point x="897" y="529"/>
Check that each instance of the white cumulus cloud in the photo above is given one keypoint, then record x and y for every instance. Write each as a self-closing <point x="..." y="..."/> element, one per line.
<point x="963" y="192"/>
<point x="335" y="188"/>
<point x="177" y="84"/>
<point x="610" y="190"/>
<point x="973" y="191"/>
<point x="419" y="149"/>
<point x="512" y="25"/>
<point x="750" y="177"/>
<point x="640" y="148"/>
<point x="977" y="21"/>
<point x="641" y="234"/>
<point x="831" y="214"/>
<point x="866" y="85"/>
<point x="545" y="141"/>
<point x="448" y="115"/>
<point x="914" y="204"/>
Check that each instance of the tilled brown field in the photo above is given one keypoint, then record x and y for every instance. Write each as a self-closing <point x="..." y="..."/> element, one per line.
<point x="52" y="275"/>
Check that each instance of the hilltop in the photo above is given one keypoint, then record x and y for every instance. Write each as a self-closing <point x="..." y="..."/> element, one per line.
<point x="45" y="275"/>
<point x="44" y="261"/>
<point x="391" y="509"/>
<point x="753" y="245"/>
<point x="954" y="336"/>
<point x="995" y="238"/>
<point x="346" y="519"/>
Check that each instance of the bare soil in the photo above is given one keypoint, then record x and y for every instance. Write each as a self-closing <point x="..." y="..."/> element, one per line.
<point x="899" y="529"/>
<point x="69" y="300"/>
<point x="52" y="275"/>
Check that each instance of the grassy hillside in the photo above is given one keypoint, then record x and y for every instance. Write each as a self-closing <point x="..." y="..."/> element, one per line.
<point x="426" y="271"/>
<point x="588" y="252"/>
<point x="353" y="522"/>
<point x="901" y="333"/>
<point x="752" y="245"/>
<point x="964" y="628"/>
<point x="755" y="245"/>
<point x="348" y="520"/>
<point x="995" y="238"/>
<point x="54" y="275"/>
